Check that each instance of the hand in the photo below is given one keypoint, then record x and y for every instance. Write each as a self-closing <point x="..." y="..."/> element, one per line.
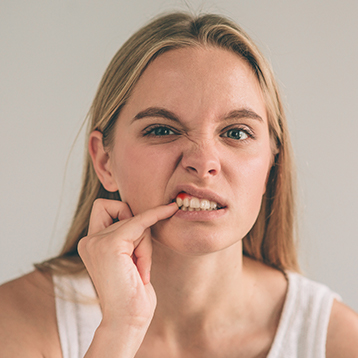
<point x="118" y="259"/>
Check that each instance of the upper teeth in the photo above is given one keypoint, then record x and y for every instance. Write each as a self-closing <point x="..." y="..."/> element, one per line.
<point x="196" y="204"/>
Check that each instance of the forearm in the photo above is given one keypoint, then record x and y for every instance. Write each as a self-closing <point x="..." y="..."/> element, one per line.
<point x="122" y="342"/>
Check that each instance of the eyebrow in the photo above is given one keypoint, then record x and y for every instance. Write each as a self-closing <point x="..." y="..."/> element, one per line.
<point x="164" y="113"/>
<point x="243" y="113"/>
<point x="156" y="112"/>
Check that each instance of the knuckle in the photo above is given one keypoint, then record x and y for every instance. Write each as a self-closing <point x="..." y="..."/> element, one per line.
<point x="98" y="203"/>
<point x="81" y="246"/>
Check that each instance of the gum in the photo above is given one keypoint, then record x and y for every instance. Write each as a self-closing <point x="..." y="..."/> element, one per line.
<point x="184" y="196"/>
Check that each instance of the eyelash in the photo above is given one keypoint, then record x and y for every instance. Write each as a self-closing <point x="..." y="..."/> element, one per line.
<point x="247" y="131"/>
<point x="150" y="131"/>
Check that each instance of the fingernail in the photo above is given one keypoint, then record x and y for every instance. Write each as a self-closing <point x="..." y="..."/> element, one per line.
<point x="146" y="278"/>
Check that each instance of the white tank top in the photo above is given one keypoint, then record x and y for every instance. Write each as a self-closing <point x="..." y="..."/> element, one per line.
<point x="301" y="332"/>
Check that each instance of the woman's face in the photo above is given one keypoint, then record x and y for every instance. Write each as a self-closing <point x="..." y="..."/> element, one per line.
<point x="195" y="123"/>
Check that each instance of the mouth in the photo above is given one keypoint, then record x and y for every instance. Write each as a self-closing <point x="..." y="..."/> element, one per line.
<point x="187" y="202"/>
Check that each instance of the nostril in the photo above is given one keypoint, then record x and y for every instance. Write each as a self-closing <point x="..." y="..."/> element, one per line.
<point x="202" y="171"/>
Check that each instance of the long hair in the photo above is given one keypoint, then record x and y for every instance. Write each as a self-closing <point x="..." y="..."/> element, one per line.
<point x="271" y="240"/>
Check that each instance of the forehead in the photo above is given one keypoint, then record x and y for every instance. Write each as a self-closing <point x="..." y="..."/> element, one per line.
<point x="198" y="81"/>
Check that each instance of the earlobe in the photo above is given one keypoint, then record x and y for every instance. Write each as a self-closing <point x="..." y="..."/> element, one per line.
<point x="101" y="161"/>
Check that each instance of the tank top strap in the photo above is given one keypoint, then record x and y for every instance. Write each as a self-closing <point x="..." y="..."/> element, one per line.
<point x="301" y="333"/>
<point x="78" y="313"/>
<point x="302" y="330"/>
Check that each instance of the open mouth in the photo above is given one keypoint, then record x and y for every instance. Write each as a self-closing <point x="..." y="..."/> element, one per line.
<point x="188" y="202"/>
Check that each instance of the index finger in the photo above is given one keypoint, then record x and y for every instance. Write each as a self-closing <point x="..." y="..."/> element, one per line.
<point x="135" y="227"/>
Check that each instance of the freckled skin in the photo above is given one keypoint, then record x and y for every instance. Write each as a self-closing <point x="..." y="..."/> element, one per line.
<point x="200" y="86"/>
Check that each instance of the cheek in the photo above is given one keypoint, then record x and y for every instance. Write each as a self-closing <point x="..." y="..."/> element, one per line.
<point x="251" y="183"/>
<point x="141" y="175"/>
<point x="260" y="168"/>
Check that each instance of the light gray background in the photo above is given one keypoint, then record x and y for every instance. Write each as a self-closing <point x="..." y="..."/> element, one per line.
<point x="53" y="54"/>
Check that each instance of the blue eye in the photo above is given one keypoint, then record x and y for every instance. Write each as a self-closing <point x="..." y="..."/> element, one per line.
<point x="236" y="133"/>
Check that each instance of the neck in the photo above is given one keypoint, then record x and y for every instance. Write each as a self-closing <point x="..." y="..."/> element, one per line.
<point x="199" y="289"/>
<point x="213" y="303"/>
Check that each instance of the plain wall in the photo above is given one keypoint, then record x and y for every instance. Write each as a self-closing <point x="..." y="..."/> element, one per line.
<point x="53" y="54"/>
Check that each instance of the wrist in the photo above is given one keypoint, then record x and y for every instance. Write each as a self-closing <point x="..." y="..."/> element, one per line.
<point x="116" y="320"/>
<point x="116" y="341"/>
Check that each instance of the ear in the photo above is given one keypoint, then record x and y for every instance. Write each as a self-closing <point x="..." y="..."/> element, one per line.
<point x="101" y="161"/>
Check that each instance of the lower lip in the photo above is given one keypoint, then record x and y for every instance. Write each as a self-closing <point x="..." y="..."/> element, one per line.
<point x="204" y="215"/>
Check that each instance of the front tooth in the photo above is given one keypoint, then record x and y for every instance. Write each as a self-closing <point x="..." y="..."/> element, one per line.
<point x="213" y="205"/>
<point x="205" y="204"/>
<point x="179" y="201"/>
<point x="194" y="203"/>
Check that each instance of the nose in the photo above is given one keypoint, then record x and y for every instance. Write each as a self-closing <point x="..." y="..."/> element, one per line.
<point x="201" y="159"/>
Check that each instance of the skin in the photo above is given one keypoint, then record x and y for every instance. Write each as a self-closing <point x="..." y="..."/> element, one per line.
<point x="172" y="284"/>
<point x="199" y="151"/>
<point x="200" y="154"/>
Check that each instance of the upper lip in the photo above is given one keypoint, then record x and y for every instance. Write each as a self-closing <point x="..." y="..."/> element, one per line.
<point x="200" y="193"/>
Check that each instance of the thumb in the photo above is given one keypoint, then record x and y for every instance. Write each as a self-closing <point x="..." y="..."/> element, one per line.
<point x="143" y="255"/>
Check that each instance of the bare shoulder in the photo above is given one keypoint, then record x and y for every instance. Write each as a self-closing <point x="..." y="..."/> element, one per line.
<point x="28" y="318"/>
<point x="342" y="335"/>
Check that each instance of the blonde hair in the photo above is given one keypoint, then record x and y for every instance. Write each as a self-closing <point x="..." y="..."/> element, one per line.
<point x="271" y="239"/>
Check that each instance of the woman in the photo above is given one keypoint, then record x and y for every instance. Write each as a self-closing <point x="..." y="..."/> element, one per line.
<point x="185" y="220"/>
